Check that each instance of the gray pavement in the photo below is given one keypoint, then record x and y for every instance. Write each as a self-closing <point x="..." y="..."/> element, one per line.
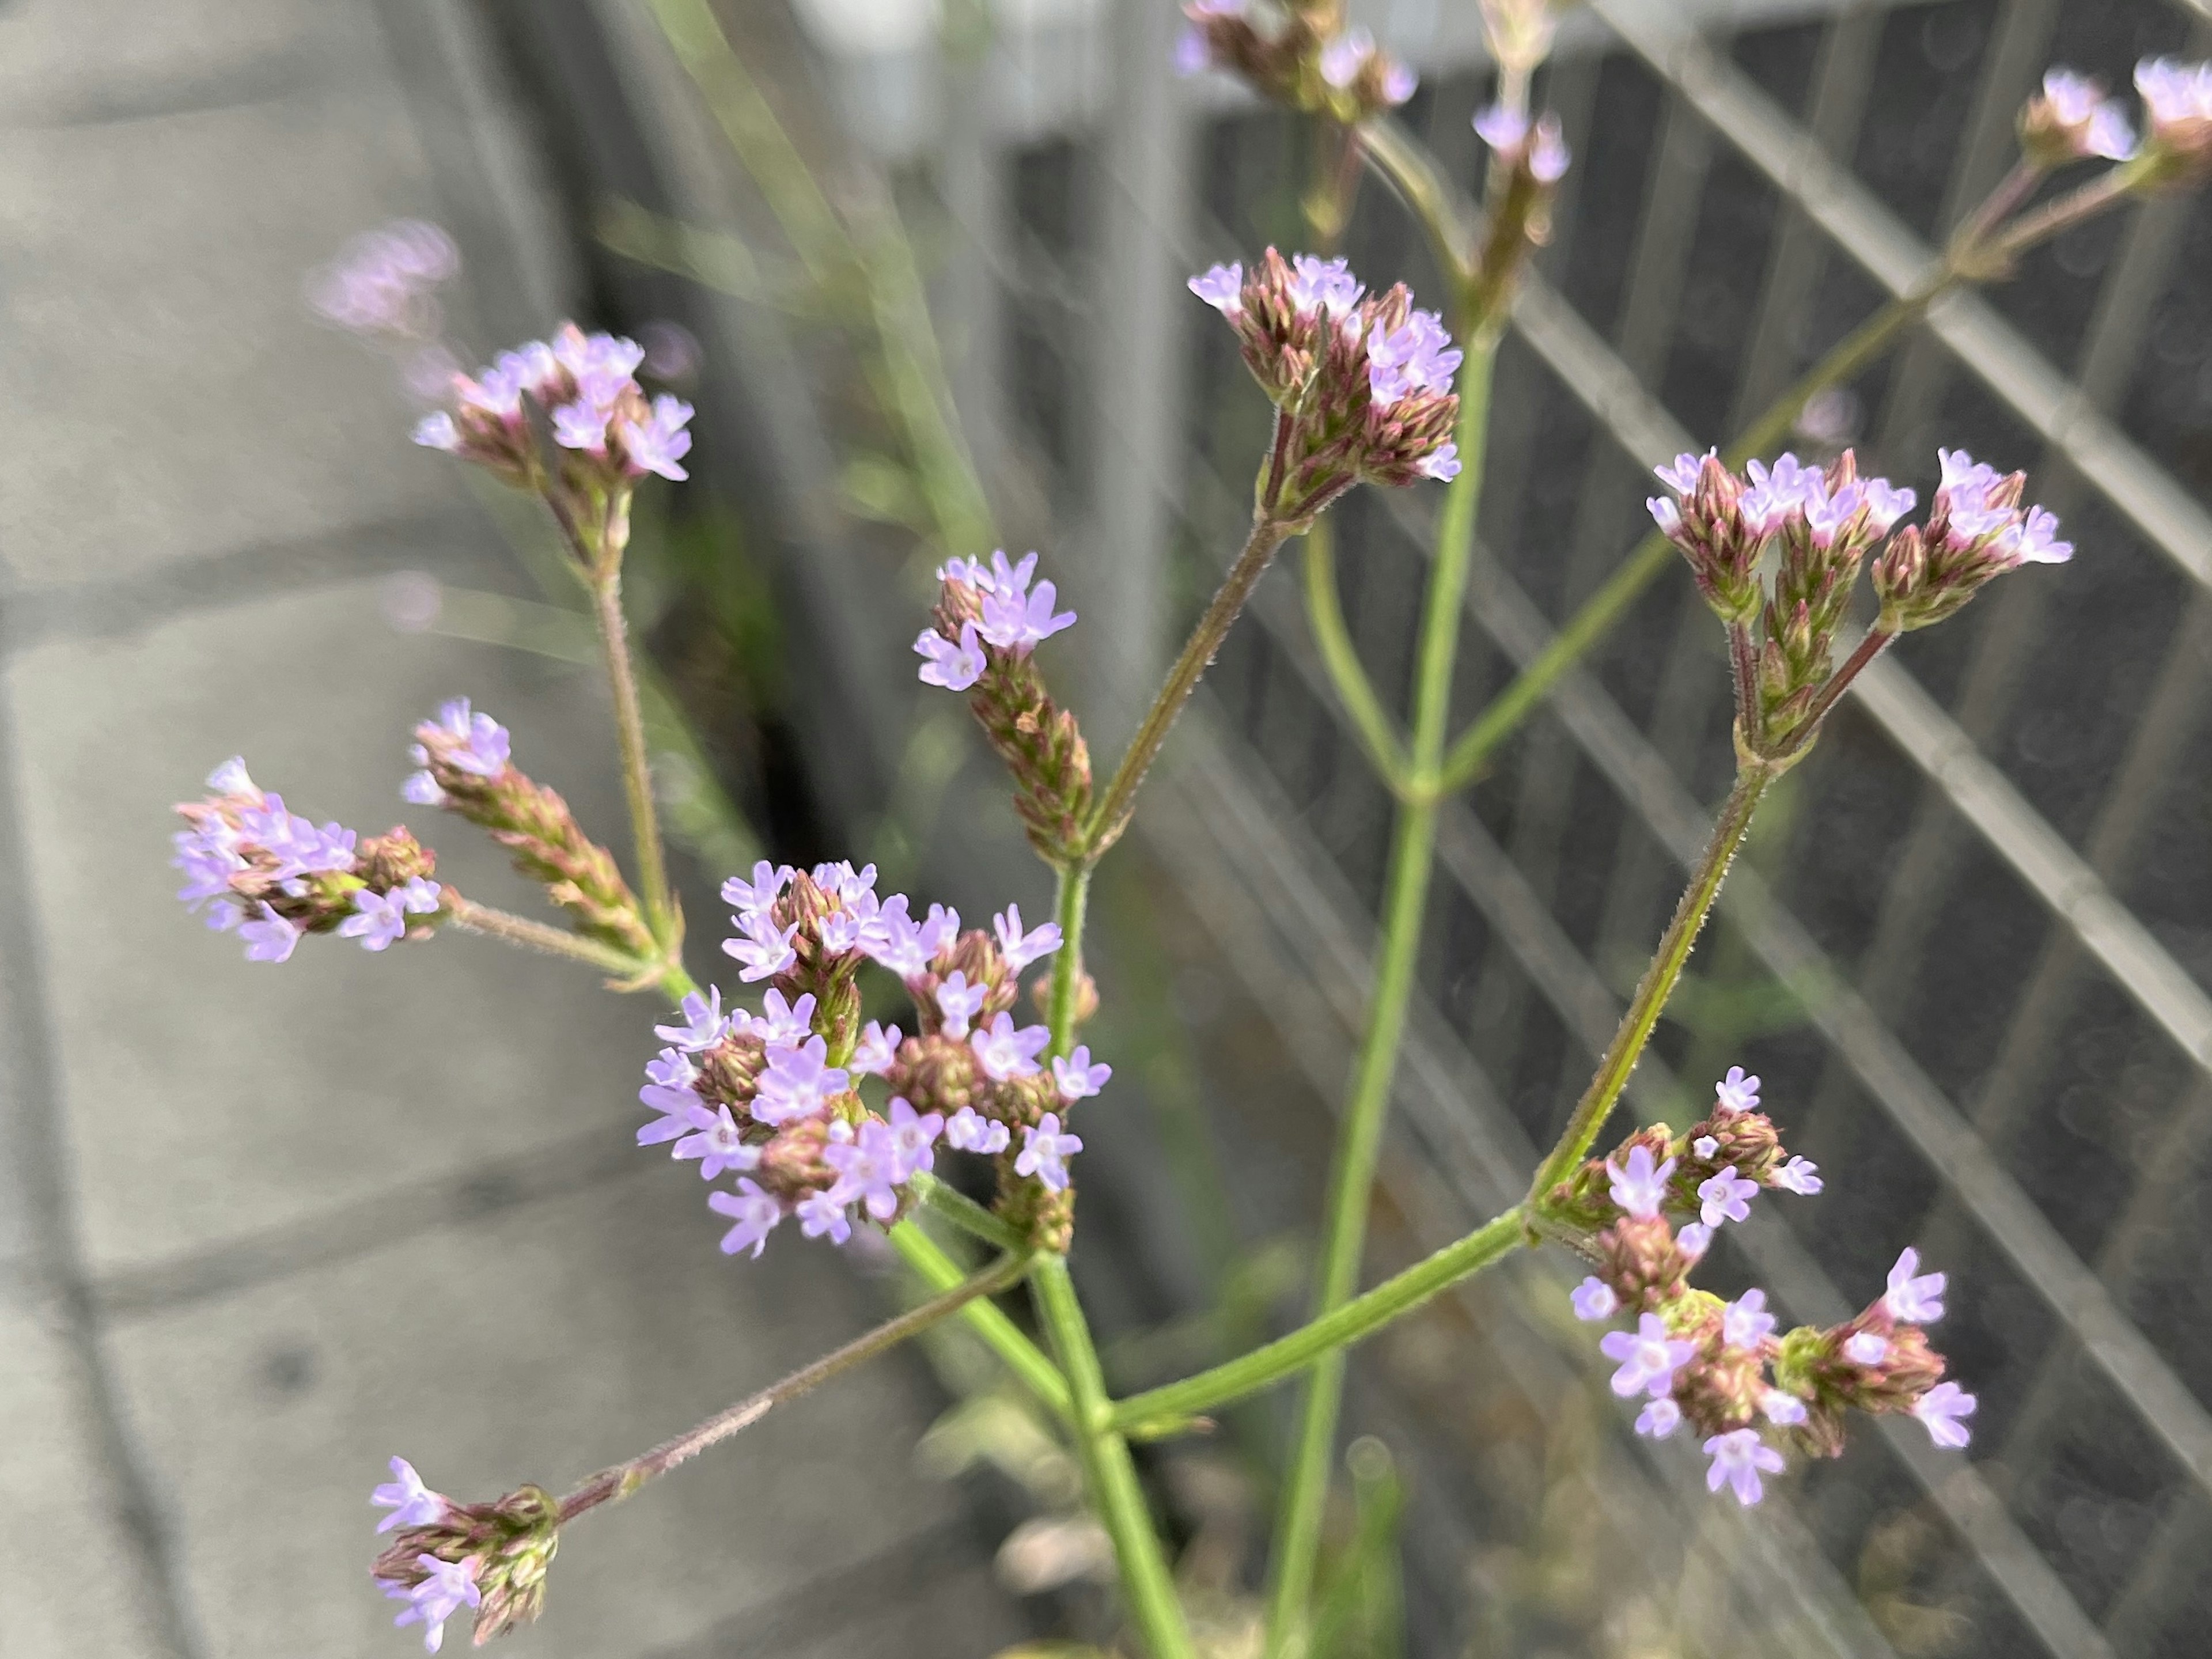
<point x="261" y="1228"/>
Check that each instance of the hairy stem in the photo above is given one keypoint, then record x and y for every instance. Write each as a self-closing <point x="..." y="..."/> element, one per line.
<point x="1070" y="899"/>
<point x="1175" y="1403"/>
<point x="1109" y="1471"/>
<point x="997" y="1333"/>
<point x="963" y="1212"/>
<point x="1359" y="1134"/>
<point x="1872" y="645"/>
<point x="619" y="1481"/>
<point x="633" y="972"/>
<point x="1753" y="780"/>
<point x="629" y="733"/>
<point x="1324" y="616"/>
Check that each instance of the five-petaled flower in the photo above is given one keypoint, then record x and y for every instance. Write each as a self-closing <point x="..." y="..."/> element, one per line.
<point x="1739" y="1457"/>
<point x="1649" y="1356"/>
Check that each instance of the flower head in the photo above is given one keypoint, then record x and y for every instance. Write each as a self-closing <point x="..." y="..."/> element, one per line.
<point x="1594" y="1299"/>
<point x="1045" y="1151"/>
<point x="1799" y="1175"/>
<point x="1019" y="949"/>
<point x="384" y="281"/>
<point x="914" y="1137"/>
<point x="1745" y="1322"/>
<point x="1943" y="1409"/>
<point x="1659" y="1418"/>
<point x="954" y="665"/>
<point x="755" y="1212"/>
<point x="968" y="1131"/>
<point x="2071" y="119"/>
<point x="1914" y="1297"/>
<point x="1726" y="1197"/>
<point x="703" y="1024"/>
<point x="1739" y="1457"/>
<point x="411" y="1502"/>
<point x="1639" y="1187"/>
<point x="797" y="1082"/>
<point x="870" y="1169"/>
<point x="958" y="1002"/>
<point x="659" y="443"/>
<point x="718" y="1144"/>
<point x="447" y="1587"/>
<point x="1649" y="1356"/>
<point x="876" y="1052"/>
<point x="1076" y="1077"/>
<point x="1006" y="1053"/>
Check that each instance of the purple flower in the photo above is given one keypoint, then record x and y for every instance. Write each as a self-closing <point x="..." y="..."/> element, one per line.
<point x="1017" y="620"/>
<point x="1943" y="1409"/>
<point x="1704" y="1146"/>
<point x="959" y="1002"/>
<point x="1738" y="1457"/>
<point x="718" y="1144"/>
<point x="1693" y="1241"/>
<point x="1648" y="1355"/>
<point x="1045" y="1151"/>
<point x="2174" y="93"/>
<point x="1799" y="1175"/>
<point x="1659" y="1418"/>
<point x="483" y="744"/>
<point x="660" y="442"/>
<point x="821" y="1213"/>
<point x="422" y="790"/>
<point x="1639" y="1189"/>
<point x="1885" y="503"/>
<point x="894" y="939"/>
<point x="955" y="667"/>
<point x="1783" y="1410"/>
<point x="1548" y="156"/>
<point x="2110" y="136"/>
<point x="914" y="1137"/>
<point x="2039" y="540"/>
<point x="1020" y="949"/>
<point x="968" y="1131"/>
<point x="1076" y="1077"/>
<point x="582" y="425"/>
<point x="269" y="937"/>
<point x="436" y="430"/>
<point x="1594" y="1299"/>
<point x="876" y="1052"/>
<point x="783" y="1023"/>
<point x="681" y="1112"/>
<point x="764" y="889"/>
<point x="755" y="1212"/>
<point x="1398" y="83"/>
<point x="1681" y="477"/>
<point x="1005" y="1053"/>
<point x="1914" y="1300"/>
<point x="1416" y="356"/>
<point x="1745" y="1322"/>
<point x="378" y="918"/>
<point x="869" y="1170"/>
<point x="797" y="1082"/>
<point x="1726" y="1197"/>
<point x="1441" y="463"/>
<point x="1503" y="129"/>
<point x="1866" y="1348"/>
<point x="1221" y="287"/>
<point x="763" y="948"/>
<point x="411" y="1502"/>
<point x="1319" y="284"/>
<point x="704" y="1023"/>
<point x="1738" y="1091"/>
<point x="1342" y="58"/>
<point x="449" y="1586"/>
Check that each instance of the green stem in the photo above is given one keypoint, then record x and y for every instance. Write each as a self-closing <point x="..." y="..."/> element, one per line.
<point x="1753" y="777"/>
<point x="1248" y="1374"/>
<point x="1070" y="900"/>
<point x="963" y="1212"/>
<point x="634" y="973"/>
<point x="629" y="734"/>
<point x="1108" y="1470"/>
<point x="1324" y="616"/>
<point x="999" y="1333"/>
<point x="1359" y="1136"/>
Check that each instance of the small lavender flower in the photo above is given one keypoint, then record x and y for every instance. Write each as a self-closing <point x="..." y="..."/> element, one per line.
<point x="1398" y="81"/>
<point x="1738" y="1458"/>
<point x="448" y="1586"/>
<point x="1737" y="1092"/>
<point x="1416" y="356"/>
<point x="940" y="928"/>
<point x="1221" y="287"/>
<point x="1017" y="620"/>
<point x="767" y="885"/>
<point x="1942" y="1409"/>
<point x="1006" y="1053"/>
<point x="1441" y="463"/>
<point x="269" y="937"/>
<point x="784" y="1024"/>
<point x="1649" y="1356"/>
<point x="895" y="940"/>
<point x="876" y="1052"/>
<point x="870" y="1169"/>
<point x="1318" y="285"/>
<point x="797" y="1082"/>
<point x="1726" y="1197"/>
<point x="483" y="744"/>
<point x="1693" y="1241"/>
<point x="379" y="919"/>
<point x="755" y="1212"/>
<point x="1020" y="949"/>
<point x="682" y="1112"/>
<point x="955" y="667"/>
<point x="1914" y="1298"/>
<point x="959" y="1002"/>
<point x="763" y="948"/>
<point x="1594" y="1299"/>
<point x="436" y="430"/>
<point x="659" y="443"/>
<point x="1639" y="1189"/>
<point x="1745" y="1322"/>
<point x="1704" y="1146"/>
<point x="1782" y="1409"/>
<point x="913" y="1137"/>
<point x="968" y="1131"/>
<point x="582" y="425"/>
<point x="2177" y="103"/>
<point x="1509" y="133"/>
<point x="1076" y="1077"/>
<point x="1659" y="1418"/>
<point x="718" y="1144"/>
<point x="1045" y="1151"/>
<point x="704" y="1023"/>
<point x="1799" y="1175"/>
<point x="1343" y="57"/>
<point x="1866" y="1348"/>
<point x="411" y="1502"/>
<point x="819" y="1213"/>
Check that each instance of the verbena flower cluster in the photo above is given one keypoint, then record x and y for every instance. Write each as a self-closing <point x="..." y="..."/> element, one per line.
<point x="2177" y="114"/>
<point x="1289" y="58"/>
<point x="774" y="1098"/>
<point x="2071" y="119"/>
<point x="1749" y="1394"/>
<point x="444" y="1556"/>
<point x="1363" y="385"/>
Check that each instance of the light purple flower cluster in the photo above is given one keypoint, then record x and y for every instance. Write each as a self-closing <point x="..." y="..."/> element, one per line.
<point x="384" y="281"/>
<point x="1515" y="139"/>
<point x="1692" y="1357"/>
<point x="1343" y="73"/>
<point x="587" y="386"/>
<point x="2177" y="106"/>
<point x="1352" y="55"/>
<point x="480" y="746"/>
<point x="2071" y="119"/>
<point x="252" y="865"/>
<point x="772" y="1097"/>
<point x="1016" y="619"/>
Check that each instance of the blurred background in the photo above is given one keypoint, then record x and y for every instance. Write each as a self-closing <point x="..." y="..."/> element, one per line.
<point x="921" y="267"/>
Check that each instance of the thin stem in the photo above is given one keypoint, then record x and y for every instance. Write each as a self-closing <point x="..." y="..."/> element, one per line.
<point x="1108" y="1470"/>
<point x="2016" y="187"/>
<point x="997" y="1333"/>
<point x="1359" y="1135"/>
<point x="963" y="1212"/>
<point x="619" y="1481"/>
<point x="1249" y="1373"/>
<point x="1324" y="616"/>
<point x="1753" y="776"/>
<point x="1070" y="899"/>
<point x="1872" y="645"/>
<point x="1112" y="814"/>
<point x="1743" y="661"/>
<point x="538" y="936"/>
<point x="2066" y="211"/>
<point x="629" y="733"/>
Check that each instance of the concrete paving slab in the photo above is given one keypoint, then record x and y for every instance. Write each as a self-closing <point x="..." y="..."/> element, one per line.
<point x="187" y="402"/>
<point x="542" y="1345"/>
<point x="211" y="1099"/>
<point x="72" y="1584"/>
